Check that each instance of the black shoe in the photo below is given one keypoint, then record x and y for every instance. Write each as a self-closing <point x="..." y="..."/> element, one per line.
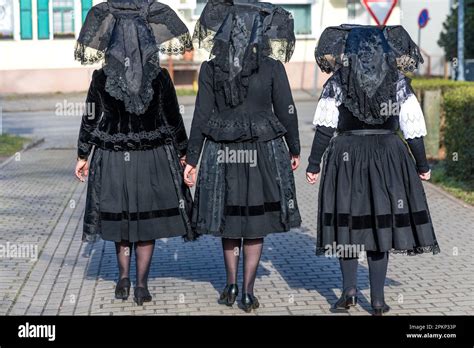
<point x="345" y="302"/>
<point x="229" y="295"/>
<point x="122" y="290"/>
<point x="249" y="302"/>
<point x="141" y="295"/>
<point x="379" y="311"/>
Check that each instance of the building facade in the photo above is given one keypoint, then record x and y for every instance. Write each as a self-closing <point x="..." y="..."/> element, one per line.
<point x="37" y="40"/>
<point x="427" y="38"/>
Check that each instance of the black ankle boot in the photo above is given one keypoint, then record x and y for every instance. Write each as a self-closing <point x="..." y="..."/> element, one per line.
<point x="249" y="302"/>
<point x="229" y="295"/>
<point x="141" y="295"/>
<point x="379" y="311"/>
<point x="122" y="289"/>
<point x="345" y="302"/>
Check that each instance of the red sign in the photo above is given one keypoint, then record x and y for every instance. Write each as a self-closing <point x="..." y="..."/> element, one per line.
<point x="380" y="10"/>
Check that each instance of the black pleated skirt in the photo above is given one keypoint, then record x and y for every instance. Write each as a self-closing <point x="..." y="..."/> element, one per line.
<point x="137" y="196"/>
<point x="247" y="198"/>
<point x="371" y="198"/>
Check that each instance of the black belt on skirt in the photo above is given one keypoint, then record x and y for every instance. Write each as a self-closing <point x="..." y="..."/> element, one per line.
<point x="367" y="132"/>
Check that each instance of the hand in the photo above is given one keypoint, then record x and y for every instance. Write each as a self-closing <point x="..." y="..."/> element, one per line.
<point x="425" y="176"/>
<point x="312" y="178"/>
<point x="295" y="162"/>
<point x="190" y="175"/>
<point x="82" y="170"/>
<point x="182" y="161"/>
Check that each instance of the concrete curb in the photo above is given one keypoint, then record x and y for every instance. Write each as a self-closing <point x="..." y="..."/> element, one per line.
<point x="448" y="195"/>
<point x="42" y="104"/>
<point x="26" y="147"/>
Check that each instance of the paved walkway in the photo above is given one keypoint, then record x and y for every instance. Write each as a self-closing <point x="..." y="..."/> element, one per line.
<point x="42" y="205"/>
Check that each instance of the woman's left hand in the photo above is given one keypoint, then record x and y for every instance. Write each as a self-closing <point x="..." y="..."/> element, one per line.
<point x="295" y="162"/>
<point x="425" y="176"/>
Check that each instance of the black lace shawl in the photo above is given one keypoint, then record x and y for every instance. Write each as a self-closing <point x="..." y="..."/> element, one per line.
<point x="130" y="35"/>
<point x="238" y="33"/>
<point x="366" y="62"/>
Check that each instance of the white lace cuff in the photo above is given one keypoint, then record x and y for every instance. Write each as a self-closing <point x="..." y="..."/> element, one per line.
<point x="327" y="113"/>
<point x="412" y="121"/>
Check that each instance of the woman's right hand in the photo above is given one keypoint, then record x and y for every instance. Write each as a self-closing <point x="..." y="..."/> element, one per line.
<point x="312" y="178"/>
<point x="190" y="175"/>
<point x="82" y="169"/>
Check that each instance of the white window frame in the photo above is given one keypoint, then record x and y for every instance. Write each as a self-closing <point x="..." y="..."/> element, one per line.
<point x="314" y="27"/>
<point x="194" y="16"/>
<point x="14" y="19"/>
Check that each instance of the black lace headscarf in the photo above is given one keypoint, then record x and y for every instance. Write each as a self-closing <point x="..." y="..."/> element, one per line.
<point x="238" y="33"/>
<point x="367" y="63"/>
<point x="130" y="35"/>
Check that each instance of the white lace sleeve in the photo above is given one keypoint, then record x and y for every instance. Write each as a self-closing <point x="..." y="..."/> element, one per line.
<point x="412" y="121"/>
<point x="327" y="113"/>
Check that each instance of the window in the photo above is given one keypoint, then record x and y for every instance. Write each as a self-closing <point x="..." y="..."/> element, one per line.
<point x="26" y="27"/>
<point x="351" y="9"/>
<point x="6" y="19"/>
<point x="63" y="18"/>
<point x="302" y="16"/>
<point x="43" y="19"/>
<point x="86" y="6"/>
<point x="200" y="4"/>
<point x="354" y="9"/>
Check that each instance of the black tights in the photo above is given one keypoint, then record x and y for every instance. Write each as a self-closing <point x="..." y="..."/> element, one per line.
<point x="252" y="249"/>
<point x="378" y="263"/>
<point x="143" y="255"/>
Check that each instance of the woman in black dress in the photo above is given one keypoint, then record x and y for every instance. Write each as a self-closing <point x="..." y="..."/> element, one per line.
<point x="244" y="110"/>
<point x="371" y="197"/>
<point x="136" y="192"/>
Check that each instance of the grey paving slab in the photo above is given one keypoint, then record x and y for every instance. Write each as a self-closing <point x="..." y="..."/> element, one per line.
<point x="42" y="205"/>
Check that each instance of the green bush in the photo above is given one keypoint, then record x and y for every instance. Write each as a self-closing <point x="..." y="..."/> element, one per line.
<point x="459" y="133"/>
<point x="185" y="92"/>
<point x="425" y="84"/>
<point x="457" y="125"/>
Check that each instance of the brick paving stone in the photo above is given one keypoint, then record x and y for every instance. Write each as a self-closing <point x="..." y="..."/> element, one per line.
<point x="41" y="204"/>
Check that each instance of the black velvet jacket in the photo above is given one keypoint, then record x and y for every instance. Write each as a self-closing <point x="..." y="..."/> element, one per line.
<point x="110" y="127"/>
<point x="268" y="112"/>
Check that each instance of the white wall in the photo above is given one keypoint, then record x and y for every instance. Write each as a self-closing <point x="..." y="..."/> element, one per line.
<point x="17" y="54"/>
<point x="439" y="10"/>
